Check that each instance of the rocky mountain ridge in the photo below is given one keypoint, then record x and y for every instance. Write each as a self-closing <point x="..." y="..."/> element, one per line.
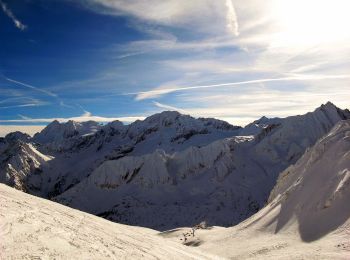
<point x="173" y="168"/>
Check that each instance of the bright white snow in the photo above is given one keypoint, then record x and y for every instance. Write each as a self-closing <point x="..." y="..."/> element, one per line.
<point x="34" y="228"/>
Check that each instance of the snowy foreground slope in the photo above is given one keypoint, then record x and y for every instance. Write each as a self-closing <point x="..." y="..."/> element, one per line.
<point x="308" y="214"/>
<point x="34" y="228"/>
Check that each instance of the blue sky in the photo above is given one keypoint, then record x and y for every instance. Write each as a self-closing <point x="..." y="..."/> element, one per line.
<point x="235" y="60"/>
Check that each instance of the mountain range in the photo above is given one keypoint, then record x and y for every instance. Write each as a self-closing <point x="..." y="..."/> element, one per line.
<point x="276" y="188"/>
<point x="167" y="171"/>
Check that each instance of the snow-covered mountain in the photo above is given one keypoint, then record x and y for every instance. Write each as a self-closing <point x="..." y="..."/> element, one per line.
<point x="307" y="216"/>
<point x="21" y="164"/>
<point x="313" y="195"/>
<point x="62" y="136"/>
<point x="81" y="154"/>
<point x="170" y="170"/>
<point x="222" y="183"/>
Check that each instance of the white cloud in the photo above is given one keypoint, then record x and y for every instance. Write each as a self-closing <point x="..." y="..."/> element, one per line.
<point x="166" y="90"/>
<point x="241" y="106"/>
<point x="206" y="16"/>
<point x="87" y="116"/>
<point x="21" y="102"/>
<point x="264" y="50"/>
<point x="167" y="107"/>
<point x="210" y="65"/>
<point x="49" y="93"/>
<point x="232" y="21"/>
<point x="9" y="13"/>
<point x="22" y="105"/>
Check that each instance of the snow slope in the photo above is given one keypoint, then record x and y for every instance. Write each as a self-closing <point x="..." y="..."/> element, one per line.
<point x="34" y="228"/>
<point x="308" y="214"/>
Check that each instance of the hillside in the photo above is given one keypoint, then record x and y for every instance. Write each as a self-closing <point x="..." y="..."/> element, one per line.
<point x="34" y="228"/>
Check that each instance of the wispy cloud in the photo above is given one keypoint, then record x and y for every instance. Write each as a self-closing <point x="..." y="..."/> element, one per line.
<point x="241" y="109"/>
<point x="86" y="116"/>
<point x="23" y="105"/>
<point x="199" y="15"/>
<point x="31" y="87"/>
<point x="159" y="92"/>
<point x="232" y="21"/>
<point x="210" y="54"/>
<point x="21" y="102"/>
<point x="10" y="14"/>
<point x="167" y="107"/>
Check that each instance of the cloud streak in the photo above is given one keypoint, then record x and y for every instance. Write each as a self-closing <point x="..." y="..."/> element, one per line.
<point x="9" y="13"/>
<point x="167" y="107"/>
<point x="23" y="105"/>
<point x="87" y="116"/>
<point x="21" y="102"/>
<point x="31" y="87"/>
<point x="232" y="21"/>
<point x="159" y="92"/>
<point x="204" y="16"/>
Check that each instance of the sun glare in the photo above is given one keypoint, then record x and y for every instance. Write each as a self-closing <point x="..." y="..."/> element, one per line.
<point x="305" y="23"/>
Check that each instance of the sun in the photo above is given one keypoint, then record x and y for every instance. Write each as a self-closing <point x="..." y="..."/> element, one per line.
<point x="306" y="23"/>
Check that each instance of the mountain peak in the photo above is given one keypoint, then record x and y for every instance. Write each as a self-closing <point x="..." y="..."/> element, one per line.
<point x="57" y="132"/>
<point x="54" y="123"/>
<point x="165" y="118"/>
<point x="17" y="136"/>
<point x="329" y="105"/>
<point x="164" y="114"/>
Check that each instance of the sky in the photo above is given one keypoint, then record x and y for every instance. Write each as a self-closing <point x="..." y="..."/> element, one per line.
<point x="105" y="60"/>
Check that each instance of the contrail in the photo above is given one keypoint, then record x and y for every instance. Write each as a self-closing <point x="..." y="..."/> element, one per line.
<point x="31" y="87"/>
<point x="232" y="21"/>
<point x="157" y="92"/>
<point x="24" y="105"/>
